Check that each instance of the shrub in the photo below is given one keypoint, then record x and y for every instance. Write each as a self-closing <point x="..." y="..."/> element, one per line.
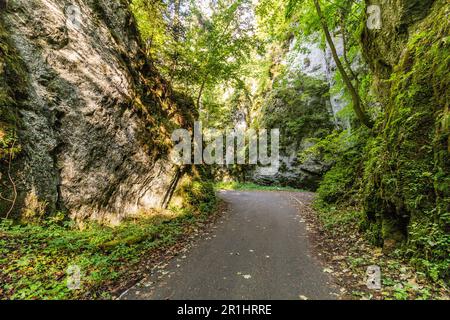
<point x="198" y="196"/>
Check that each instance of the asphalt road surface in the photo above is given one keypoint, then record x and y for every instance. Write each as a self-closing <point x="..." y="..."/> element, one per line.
<point x="258" y="250"/>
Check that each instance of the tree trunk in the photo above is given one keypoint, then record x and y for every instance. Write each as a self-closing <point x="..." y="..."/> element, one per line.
<point x="357" y="104"/>
<point x="344" y="44"/>
<point x="172" y="187"/>
<point x="200" y="93"/>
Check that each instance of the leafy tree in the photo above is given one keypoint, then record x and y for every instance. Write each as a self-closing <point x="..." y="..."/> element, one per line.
<point x="218" y="46"/>
<point x="330" y="17"/>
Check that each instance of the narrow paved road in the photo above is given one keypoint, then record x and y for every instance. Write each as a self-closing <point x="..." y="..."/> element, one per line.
<point x="258" y="250"/>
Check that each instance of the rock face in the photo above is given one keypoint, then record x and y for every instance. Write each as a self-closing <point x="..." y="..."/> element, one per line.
<point x="305" y="174"/>
<point x="398" y="20"/>
<point x="407" y="184"/>
<point x="94" y="124"/>
<point x="309" y="96"/>
<point x="316" y="62"/>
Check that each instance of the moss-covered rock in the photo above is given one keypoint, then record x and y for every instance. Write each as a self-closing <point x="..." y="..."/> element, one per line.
<point x="383" y="47"/>
<point x="13" y="86"/>
<point x="400" y="174"/>
<point x="407" y="164"/>
<point x="12" y="91"/>
<point x="195" y="195"/>
<point x="299" y="107"/>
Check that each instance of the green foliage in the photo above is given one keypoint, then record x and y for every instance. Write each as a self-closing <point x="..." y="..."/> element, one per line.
<point x="8" y="142"/>
<point x="339" y="14"/>
<point x="335" y="15"/>
<point x="152" y="23"/>
<point x="344" y="150"/>
<point x="428" y="248"/>
<point x="203" y="49"/>
<point x="198" y="196"/>
<point x="271" y="21"/>
<point x="336" y="184"/>
<point x="250" y="187"/>
<point x="404" y="191"/>
<point x="407" y="165"/>
<point x="298" y="107"/>
<point x="35" y="257"/>
<point x="13" y="86"/>
<point x="333" y="218"/>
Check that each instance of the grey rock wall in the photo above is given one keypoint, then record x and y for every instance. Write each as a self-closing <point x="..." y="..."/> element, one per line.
<point x="90" y="143"/>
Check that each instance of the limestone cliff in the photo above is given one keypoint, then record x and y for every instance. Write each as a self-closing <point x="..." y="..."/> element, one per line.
<point x="93" y="117"/>
<point x="303" y="104"/>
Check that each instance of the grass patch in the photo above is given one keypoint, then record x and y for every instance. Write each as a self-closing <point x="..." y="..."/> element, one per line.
<point x="35" y="258"/>
<point x="250" y="187"/>
<point x="332" y="217"/>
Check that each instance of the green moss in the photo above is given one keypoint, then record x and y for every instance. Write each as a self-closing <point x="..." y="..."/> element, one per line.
<point x="336" y="184"/>
<point x="407" y="165"/>
<point x="298" y="107"/>
<point x="197" y="196"/>
<point x="250" y="187"/>
<point x="344" y="150"/>
<point x="13" y="86"/>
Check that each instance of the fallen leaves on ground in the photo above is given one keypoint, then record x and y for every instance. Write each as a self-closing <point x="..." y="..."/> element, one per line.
<point x="347" y="254"/>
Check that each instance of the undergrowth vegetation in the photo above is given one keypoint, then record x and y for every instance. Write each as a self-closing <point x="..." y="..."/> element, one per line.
<point x="232" y="185"/>
<point x="36" y="258"/>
